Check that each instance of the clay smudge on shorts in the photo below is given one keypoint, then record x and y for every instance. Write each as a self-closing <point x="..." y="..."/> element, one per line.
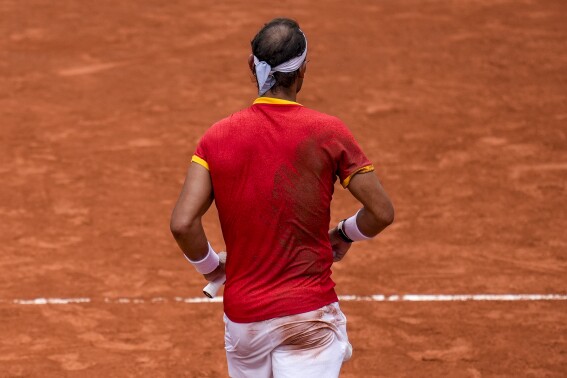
<point x="333" y="310"/>
<point x="307" y="336"/>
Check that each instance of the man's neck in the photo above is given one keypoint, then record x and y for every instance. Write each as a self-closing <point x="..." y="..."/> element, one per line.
<point x="289" y="95"/>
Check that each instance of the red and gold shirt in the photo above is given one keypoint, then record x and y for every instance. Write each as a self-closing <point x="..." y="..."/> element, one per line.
<point x="273" y="167"/>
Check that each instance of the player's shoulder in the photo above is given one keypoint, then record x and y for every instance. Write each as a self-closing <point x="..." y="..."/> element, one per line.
<point x="316" y="114"/>
<point x="324" y="119"/>
<point x="222" y="126"/>
<point x="231" y="119"/>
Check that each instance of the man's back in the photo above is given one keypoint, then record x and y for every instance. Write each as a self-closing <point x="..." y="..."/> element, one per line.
<point x="273" y="168"/>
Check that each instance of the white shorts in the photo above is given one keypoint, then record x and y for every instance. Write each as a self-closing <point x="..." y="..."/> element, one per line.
<point x="312" y="345"/>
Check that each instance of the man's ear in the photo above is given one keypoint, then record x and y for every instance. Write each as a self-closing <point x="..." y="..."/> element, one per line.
<point x="251" y="62"/>
<point x="302" y="69"/>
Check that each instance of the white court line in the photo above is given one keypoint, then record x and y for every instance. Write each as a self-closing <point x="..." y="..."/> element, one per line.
<point x="454" y="297"/>
<point x="343" y="298"/>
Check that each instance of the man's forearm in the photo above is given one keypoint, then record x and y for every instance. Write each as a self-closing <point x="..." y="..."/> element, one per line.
<point x="378" y="211"/>
<point x="370" y="224"/>
<point x="192" y="240"/>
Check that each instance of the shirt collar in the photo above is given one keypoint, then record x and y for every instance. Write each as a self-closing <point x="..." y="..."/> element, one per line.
<point x="274" y="101"/>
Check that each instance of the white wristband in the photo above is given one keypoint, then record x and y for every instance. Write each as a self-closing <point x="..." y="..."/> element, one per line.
<point x="208" y="263"/>
<point x="351" y="230"/>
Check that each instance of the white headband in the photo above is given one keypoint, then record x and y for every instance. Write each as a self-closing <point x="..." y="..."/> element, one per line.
<point x="265" y="73"/>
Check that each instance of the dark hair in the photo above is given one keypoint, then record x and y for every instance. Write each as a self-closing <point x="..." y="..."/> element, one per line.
<point x="279" y="41"/>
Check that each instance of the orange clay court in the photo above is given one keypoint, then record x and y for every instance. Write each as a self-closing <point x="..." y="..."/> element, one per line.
<point x="460" y="104"/>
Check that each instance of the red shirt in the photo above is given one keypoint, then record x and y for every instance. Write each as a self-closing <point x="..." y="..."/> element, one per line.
<point x="273" y="167"/>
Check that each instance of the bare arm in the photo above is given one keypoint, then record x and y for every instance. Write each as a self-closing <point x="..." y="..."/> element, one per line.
<point x="195" y="199"/>
<point x="375" y="216"/>
<point x="378" y="211"/>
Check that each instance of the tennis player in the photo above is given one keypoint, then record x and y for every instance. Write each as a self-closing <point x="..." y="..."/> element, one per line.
<point x="271" y="170"/>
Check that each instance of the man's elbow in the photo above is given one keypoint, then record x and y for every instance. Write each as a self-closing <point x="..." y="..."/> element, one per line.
<point x="180" y="227"/>
<point x="389" y="214"/>
<point x="384" y="214"/>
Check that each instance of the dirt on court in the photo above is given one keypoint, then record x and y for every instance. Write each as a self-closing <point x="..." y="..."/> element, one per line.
<point x="461" y="105"/>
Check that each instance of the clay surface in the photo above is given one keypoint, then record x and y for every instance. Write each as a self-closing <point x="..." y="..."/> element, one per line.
<point x="460" y="104"/>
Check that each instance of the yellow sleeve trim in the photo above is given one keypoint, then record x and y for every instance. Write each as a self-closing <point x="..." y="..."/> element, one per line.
<point x="200" y="161"/>
<point x="274" y="101"/>
<point x="365" y="169"/>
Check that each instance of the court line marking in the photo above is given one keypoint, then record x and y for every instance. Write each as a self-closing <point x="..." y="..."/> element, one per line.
<point x="343" y="298"/>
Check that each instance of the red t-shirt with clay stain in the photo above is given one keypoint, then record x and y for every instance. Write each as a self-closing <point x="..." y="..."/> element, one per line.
<point x="273" y="167"/>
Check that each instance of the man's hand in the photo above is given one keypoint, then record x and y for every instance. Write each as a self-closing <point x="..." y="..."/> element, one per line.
<point x="219" y="271"/>
<point x="339" y="246"/>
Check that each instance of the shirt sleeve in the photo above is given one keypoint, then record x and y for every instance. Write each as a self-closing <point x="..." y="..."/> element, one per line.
<point x="350" y="158"/>
<point x="200" y="156"/>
